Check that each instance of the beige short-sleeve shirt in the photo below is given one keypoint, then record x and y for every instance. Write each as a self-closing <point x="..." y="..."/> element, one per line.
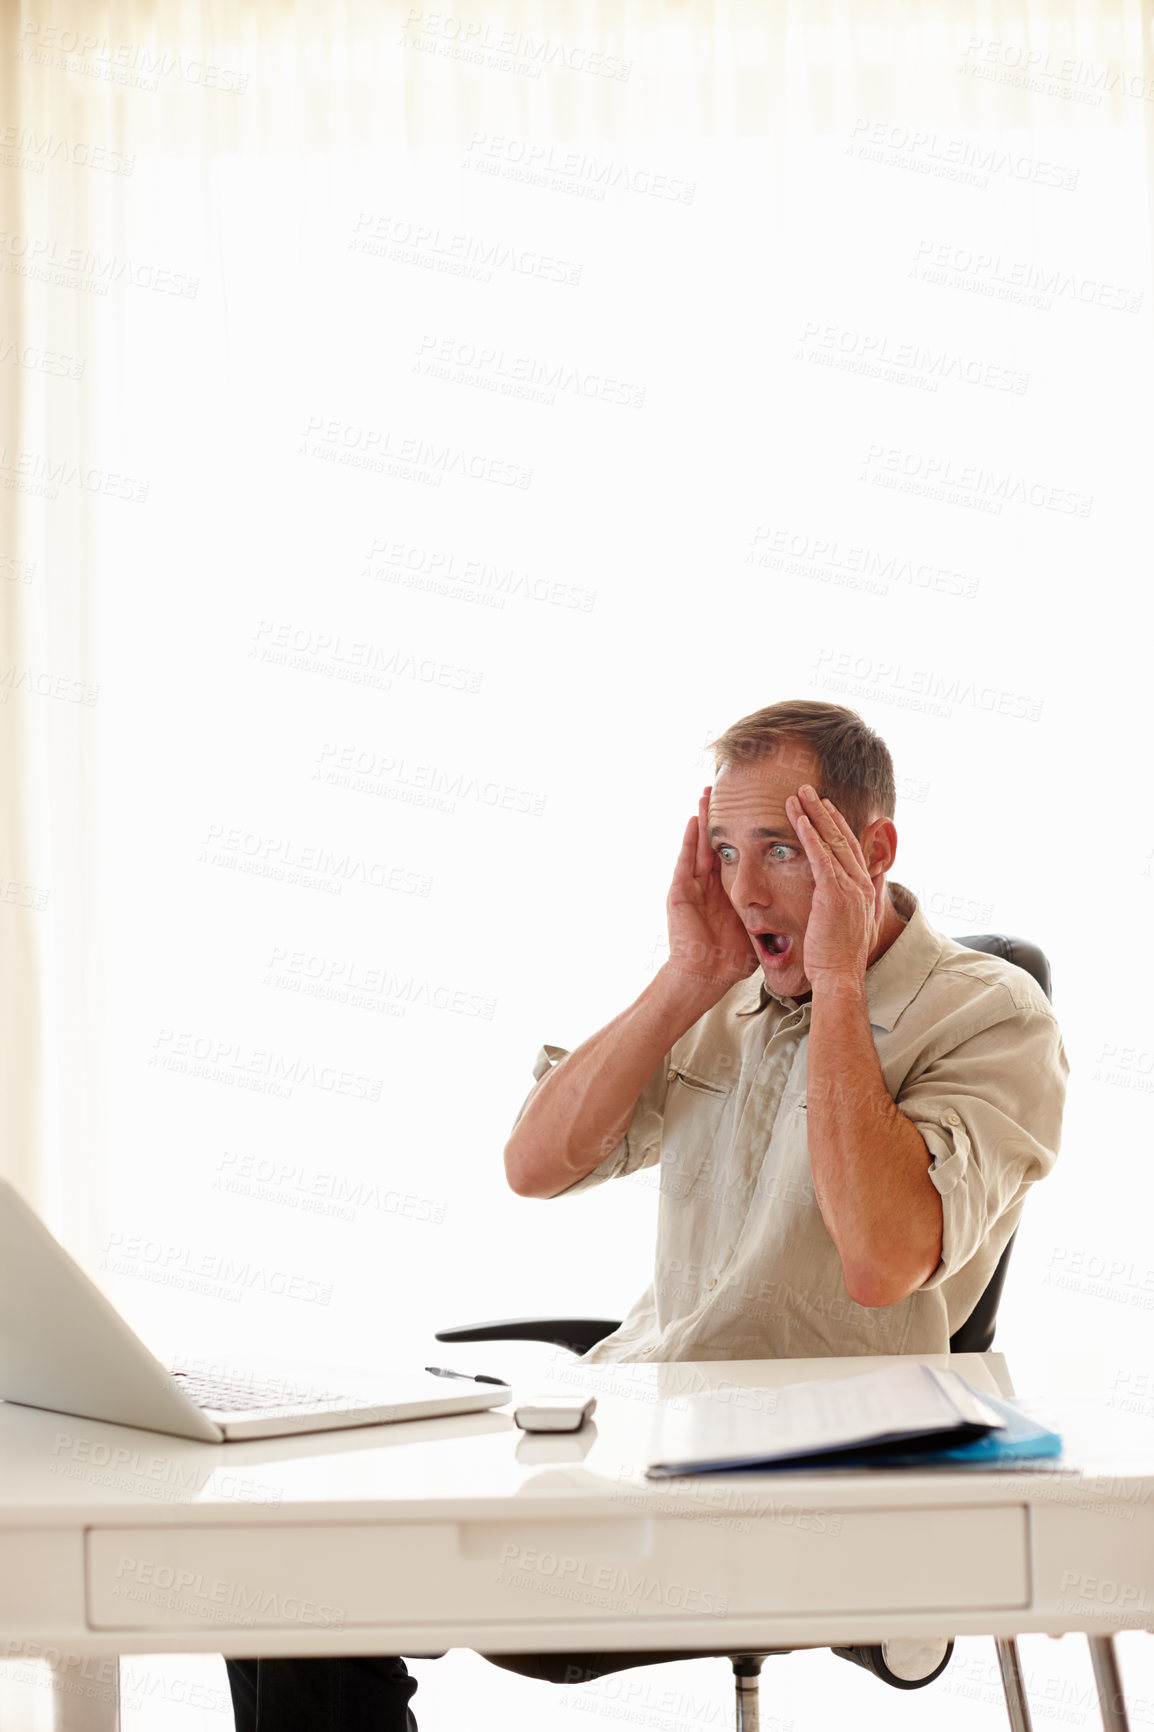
<point x="745" y="1268"/>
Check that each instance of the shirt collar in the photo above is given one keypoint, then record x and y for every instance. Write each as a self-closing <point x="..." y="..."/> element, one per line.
<point x="892" y="981"/>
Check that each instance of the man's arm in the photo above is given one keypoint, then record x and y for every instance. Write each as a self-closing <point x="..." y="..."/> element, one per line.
<point x="871" y="1166"/>
<point x="579" y="1112"/>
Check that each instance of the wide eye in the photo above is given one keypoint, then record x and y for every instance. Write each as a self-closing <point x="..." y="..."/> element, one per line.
<point x="724" y="853"/>
<point x="781" y="851"/>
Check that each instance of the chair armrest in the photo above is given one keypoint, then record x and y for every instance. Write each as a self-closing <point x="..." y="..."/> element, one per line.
<point x="578" y="1334"/>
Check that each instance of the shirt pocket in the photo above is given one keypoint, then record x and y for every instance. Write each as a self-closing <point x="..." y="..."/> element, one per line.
<point x="694" y="1118"/>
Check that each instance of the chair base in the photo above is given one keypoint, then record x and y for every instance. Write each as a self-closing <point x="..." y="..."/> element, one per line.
<point x="586" y="1668"/>
<point x="903" y="1665"/>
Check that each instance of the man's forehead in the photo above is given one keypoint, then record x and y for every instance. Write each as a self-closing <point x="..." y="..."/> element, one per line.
<point x="755" y="794"/>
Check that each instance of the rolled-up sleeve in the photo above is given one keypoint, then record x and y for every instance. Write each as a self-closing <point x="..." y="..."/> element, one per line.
<point x="990" y="1113"/>
<point x="641" y="1144"/>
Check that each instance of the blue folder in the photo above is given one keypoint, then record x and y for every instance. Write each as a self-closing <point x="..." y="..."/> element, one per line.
<point x="1022" y="1440"/>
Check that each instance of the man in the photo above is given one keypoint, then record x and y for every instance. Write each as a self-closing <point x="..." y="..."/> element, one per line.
<point x="848" y="1108"/>
<point x="846" y="1141"/>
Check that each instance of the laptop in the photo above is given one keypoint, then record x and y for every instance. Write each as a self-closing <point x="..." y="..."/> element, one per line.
<point x="64" y="1347"/>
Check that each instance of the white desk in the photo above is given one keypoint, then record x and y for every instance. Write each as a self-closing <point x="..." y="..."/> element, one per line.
<point x="460" y="1532"/>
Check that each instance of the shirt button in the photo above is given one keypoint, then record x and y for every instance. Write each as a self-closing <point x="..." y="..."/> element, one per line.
<point x="711" y="1283"/>
<point x="953" y="1119"/>
<point x="669" y="1075"/>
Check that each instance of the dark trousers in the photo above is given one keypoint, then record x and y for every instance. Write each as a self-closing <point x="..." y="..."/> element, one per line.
<point x="369" y="1695"/>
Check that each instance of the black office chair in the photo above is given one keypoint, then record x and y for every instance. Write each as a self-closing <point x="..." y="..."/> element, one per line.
<point x="905" y="1666"/>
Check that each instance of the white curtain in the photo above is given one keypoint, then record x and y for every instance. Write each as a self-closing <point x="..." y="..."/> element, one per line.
<point x="423" y="429"/>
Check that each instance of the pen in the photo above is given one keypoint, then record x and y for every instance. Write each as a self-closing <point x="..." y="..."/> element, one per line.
<point x="438" y="1371"/>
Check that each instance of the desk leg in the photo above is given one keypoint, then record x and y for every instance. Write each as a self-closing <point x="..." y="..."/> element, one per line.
<point x="86" y="1694"/>
<point x="1017" y="1705"/>
<point x="1111" y="1701"/>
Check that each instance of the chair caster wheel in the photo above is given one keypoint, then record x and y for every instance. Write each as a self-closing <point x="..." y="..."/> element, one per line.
<point x="906" y="1665"/>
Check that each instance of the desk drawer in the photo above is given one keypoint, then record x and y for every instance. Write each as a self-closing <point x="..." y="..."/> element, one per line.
<point x="331" y="1576"/>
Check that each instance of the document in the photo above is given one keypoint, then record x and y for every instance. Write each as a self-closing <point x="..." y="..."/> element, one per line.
<point x="877" y="1416"/>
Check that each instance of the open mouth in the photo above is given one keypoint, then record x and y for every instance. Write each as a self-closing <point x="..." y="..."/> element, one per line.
<point x="773" y="945"/>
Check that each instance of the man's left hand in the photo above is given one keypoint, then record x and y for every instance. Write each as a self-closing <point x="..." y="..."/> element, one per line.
<point x="845" y="917"/>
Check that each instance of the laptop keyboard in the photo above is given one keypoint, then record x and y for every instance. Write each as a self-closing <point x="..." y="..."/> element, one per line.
<point x="248" y="1394"/>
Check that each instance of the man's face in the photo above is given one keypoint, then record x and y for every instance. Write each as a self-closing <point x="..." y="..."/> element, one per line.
<point x="764" y="870"/>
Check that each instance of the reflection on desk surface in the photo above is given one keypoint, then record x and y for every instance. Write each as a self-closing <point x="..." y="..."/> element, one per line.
<point x="49" y="1459"/>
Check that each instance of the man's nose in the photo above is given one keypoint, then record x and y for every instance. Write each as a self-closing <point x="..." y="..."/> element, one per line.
<point x="750" y="886"/>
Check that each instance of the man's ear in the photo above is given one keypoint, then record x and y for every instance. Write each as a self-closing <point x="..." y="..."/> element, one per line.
<point x="879" y="844"/>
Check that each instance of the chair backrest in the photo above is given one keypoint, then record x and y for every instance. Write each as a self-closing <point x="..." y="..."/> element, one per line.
<point x="1016" y="950"/>
<point x="976" y="1334"/>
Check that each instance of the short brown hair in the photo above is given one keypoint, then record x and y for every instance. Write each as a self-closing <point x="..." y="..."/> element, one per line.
<point x="854" y="767"/>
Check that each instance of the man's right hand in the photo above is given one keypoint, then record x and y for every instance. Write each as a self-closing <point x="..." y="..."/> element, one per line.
<point x="582" y="1108"/>
<point x="708" y="944"/>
